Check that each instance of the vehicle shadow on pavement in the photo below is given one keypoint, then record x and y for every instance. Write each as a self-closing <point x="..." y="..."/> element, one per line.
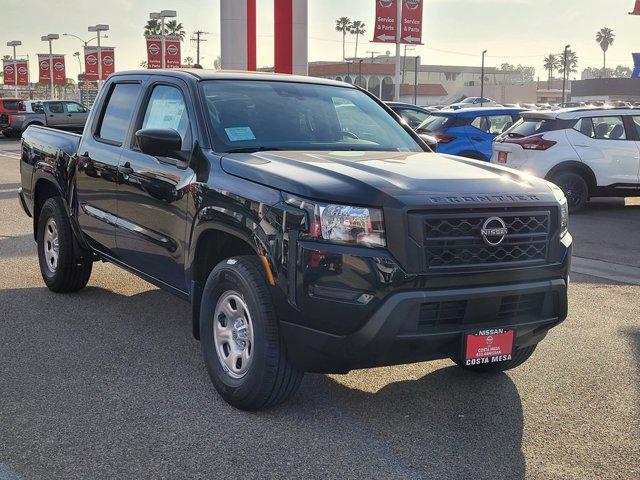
<point x="448" y="424"/>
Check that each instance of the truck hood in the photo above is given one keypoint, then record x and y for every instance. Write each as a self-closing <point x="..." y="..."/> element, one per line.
<point x="382" y="178"/>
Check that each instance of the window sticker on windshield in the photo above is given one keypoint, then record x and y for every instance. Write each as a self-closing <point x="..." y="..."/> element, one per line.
<point x="240" y="134"/>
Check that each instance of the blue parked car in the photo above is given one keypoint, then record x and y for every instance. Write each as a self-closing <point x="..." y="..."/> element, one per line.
<point x="469" y="132"/>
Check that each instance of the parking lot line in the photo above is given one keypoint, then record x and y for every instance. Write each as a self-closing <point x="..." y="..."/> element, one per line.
<point x="608" y="270"/>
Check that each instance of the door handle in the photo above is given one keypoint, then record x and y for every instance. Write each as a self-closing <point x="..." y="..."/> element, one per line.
<point x="125" y="169"/>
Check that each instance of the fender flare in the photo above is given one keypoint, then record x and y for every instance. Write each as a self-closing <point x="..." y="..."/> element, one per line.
<point x="575" y="166"/>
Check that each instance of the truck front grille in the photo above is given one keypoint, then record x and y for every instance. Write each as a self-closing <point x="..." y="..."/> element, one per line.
<point x="456" y="240"/>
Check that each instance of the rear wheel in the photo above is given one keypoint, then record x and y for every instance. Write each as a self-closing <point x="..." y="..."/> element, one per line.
<point x="575" y="188"/>
<point x="518" y="358"/>
<point x="240" y="337"/>
<point x="64" y="266"/>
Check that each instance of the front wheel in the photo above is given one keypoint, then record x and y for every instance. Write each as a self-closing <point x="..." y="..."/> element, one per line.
<point x="518" y="358"/>
<point x="240" y="337"/>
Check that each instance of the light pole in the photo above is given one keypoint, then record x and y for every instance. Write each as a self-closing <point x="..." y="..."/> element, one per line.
<point x="14" y="44"/>
<point x="161" y="16"/>
<point x="482" y="80"/>
<point x="50" y="38"/>
<point x="564" y="73"/>
<point x="97" y="29"/>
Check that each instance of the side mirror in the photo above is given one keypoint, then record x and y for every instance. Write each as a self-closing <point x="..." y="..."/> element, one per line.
<point x="158" y="142"/>
<point x="429" y="140"/>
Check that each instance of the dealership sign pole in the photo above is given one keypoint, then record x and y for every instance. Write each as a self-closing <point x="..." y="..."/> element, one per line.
<point x="98" y="29"/>
<point x="14" y="44"/>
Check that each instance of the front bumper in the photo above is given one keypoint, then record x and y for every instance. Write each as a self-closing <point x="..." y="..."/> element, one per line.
<point x="357" y="311"/>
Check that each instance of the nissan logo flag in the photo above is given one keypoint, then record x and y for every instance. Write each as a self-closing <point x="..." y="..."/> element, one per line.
<point x="44" y="67"/>
<point x="154" y="51"/>
<point x="91" y="62"/>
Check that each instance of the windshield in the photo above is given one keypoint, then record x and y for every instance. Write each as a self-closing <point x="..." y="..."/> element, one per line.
<point x="264" y="115"/>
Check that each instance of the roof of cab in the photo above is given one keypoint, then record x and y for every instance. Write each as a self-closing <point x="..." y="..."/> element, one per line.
<point x="202" y="74"/>
<point x="580" y="112"/>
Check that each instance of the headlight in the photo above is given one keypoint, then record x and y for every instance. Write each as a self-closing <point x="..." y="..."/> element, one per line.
<point x="564" y="209"/>
<point x="342" y="223"/>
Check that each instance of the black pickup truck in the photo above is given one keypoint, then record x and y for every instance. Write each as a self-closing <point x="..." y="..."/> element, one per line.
<point x="307" y="224"/>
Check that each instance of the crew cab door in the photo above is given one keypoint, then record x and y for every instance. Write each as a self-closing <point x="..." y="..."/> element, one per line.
<point x="152" y="204"/>
<point x="97" y="165"/>
<point x="56" y="115"/>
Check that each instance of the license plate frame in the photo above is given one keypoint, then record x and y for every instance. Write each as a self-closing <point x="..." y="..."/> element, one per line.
<point x="489" y="345"/>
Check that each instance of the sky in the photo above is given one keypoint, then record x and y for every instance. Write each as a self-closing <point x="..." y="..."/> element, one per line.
<point x="455" y="31"/>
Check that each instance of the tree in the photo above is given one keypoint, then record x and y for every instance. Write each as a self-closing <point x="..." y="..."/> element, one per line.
<point x="605" y="38"/>
<point x="572" y="62"/>
<point x="217" y="63"/>
<point x="153" y="27"/>
<point x="175" y="28"/>
<point x="188" y="61"/>
<point x="143" y="64"/>
<point x="622" y="71"/>
<point x="343" y="25"/>
<point x="550" y="65"/>
<point x="527" y="74"/>
<point x="507" y="67"/>
<point x="357" y="29"/>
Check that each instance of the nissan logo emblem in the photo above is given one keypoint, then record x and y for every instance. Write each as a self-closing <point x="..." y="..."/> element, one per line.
<point x="154" y="49"/>
<point x="386" y="3"/>
<point x="9" y="69"/>
<point x="22" y="70"/>
<point x="494" y="231"/>
<point x="44" y="65"/>
<point x="92" y="60"/>
<point x="172" y="50"/>
<point x="412" y="4"/>
<point x="107" y="61"/>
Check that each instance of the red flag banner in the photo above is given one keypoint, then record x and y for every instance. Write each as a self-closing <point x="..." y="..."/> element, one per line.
<point x="91" y="62"/>
<point x="9" y="72"/>
<point x="172" y="52"/>
<point x="636" y="11"/>
<point x="386" y="21"/>
<point x="59" y="71"/>
<point x="412" y="21"/>
<point x="22" y="69"/>
<point x="154" y="51"/>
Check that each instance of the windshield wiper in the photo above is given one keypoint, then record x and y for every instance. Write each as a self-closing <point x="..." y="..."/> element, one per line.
<point x="253" y="149"/>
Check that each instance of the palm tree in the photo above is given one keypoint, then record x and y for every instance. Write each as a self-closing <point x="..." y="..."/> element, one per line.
<point x="550" y="65"/>
<point x="605" y="38"/>
<point x="572" y="62"/>
<point x="143" y="64"/>
<point x="152" y="27"/>
<point x="77" y="55"/>
<point x="217" y="63"/>
<point x="343" y="24"/>
<point x="175" y="28"/>
<point x="188" y="61"/>
<point x="357" y="29"/>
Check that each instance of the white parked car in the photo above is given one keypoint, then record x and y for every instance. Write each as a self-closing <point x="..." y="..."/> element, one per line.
<point x="474" y="102"/>
<point x="586" y="152"/>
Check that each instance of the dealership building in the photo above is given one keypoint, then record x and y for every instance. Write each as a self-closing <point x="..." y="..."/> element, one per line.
<point x="428" y="84"/>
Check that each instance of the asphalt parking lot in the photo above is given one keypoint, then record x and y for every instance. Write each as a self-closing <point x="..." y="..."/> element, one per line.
<point x="109" y="383"/>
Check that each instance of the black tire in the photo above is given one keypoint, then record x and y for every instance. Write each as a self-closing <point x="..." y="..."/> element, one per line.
<point x="518" y="358"/>
<point x="270" y="378"/>
<point x="72" y="268"/>
<point x="575" y="188"/>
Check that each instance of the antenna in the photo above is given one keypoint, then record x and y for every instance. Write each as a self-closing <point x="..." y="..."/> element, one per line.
<point x="197" y="39"/>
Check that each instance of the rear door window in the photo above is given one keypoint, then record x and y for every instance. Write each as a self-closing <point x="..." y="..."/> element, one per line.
<point x="636" y="122"/>
<point x="56" y="107"/>
<point x="585" y="127"/>
<point x="73" y="107"/>
<point x="609" y="128"/>
<point x="118" y="112"/>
